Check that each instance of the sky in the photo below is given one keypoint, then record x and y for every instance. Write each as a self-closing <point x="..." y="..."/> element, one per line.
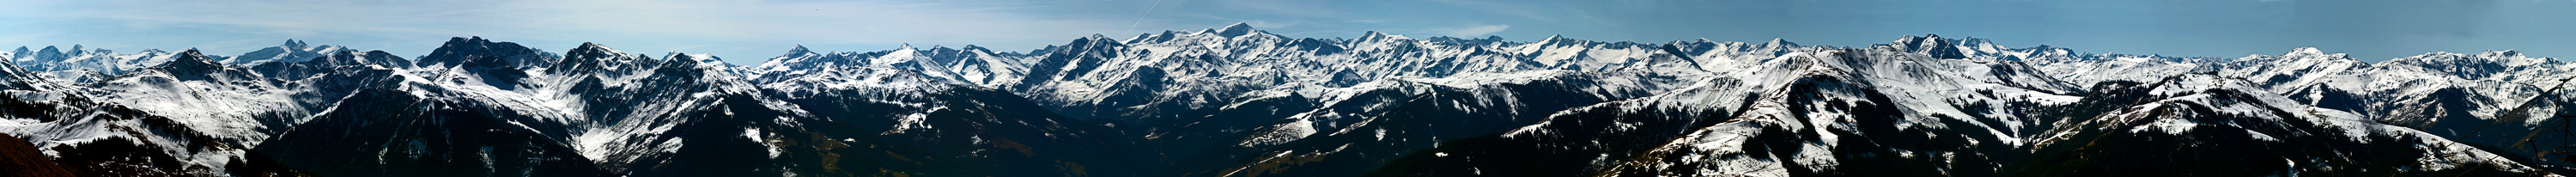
<point x="746" y="32"/>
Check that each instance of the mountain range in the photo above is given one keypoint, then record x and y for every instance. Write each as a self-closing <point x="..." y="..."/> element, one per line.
<point x="1239" y="101"/>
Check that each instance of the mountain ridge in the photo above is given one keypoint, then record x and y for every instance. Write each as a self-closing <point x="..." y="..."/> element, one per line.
<point x="1240" y="101"/>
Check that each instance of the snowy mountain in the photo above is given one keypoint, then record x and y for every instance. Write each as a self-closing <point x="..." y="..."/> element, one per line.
<point x="956" y="127"/>
<point x="1887" y="110"/>
<point x="2230" y="127"/>
<point x="1364" y="126"/>
<point x="292" y="51"/>
<point x="2444" y="93"/>
<point x="229" y="102"/>
<point x="97" y="138"/>
<point x="2530" y="132"/>
<point x="76" y="62"/>
<point x="971" y="65"/>
<point x="1240" y="101"/>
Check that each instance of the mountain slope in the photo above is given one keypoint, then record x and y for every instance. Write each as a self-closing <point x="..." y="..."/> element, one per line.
<point x="97" y="138"/>
<point x="1365" y="126"/>
<point x="937" y="128"/>
<point x="292" y="51"/>
<point x="229" y="102"/>
<point x="1841" y="111"/>
<point x="2230" y="127"/>
<point x="398" y="133"/>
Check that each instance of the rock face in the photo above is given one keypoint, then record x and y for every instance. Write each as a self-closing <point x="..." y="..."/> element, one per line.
<point x="1239" y="101"/>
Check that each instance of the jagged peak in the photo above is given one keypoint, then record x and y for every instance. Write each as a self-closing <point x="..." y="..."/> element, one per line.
<point x="1777" y="42"/>
<point x="295" y="44"/>
<point x="1238" y="29"/>
<point x="1144" y="37"/>
<point x="2501" y="53"/>
<point x="799" y="49"/>
<point x="595" y="52"/>
<point x="1703" y="40"/>
<point x="905" y="46"/>
<point x="469" y="40"/>
<point x="338" y="57"/>
<point x="1974" y="41"/>
<point x="1929" y="44"/>
<point x="350" y="52"/>
<point x="594" y="48"/>
<point x="380" y="53"/>
<point x="938" y="48"/>
<point x="478" y="43"/>
<point x="192" y="59"/>
<point x="591" y="45"/>
<point x="485" y="52"/>
<point x="1381" y="36"/>
<point x="50" y="49"/>
<point x="1094" y="40"/>
<point x="690" y="59"/>
<point x="1911" y="40"/>
<point x="2197" y="82"/>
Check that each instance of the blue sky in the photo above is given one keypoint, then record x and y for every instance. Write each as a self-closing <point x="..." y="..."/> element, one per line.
<point x="745" y="32"/>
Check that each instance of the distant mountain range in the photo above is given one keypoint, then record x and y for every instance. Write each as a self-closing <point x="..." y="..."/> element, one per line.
<point x="1238" y="101"/>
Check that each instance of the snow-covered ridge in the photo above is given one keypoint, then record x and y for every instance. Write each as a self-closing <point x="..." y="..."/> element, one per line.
<point x="1240" y="100"/>
<point x="2198" y="116"/>
<point x="292" y="51"/>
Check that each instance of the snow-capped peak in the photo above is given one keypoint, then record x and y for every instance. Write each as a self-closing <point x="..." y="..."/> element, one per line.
<point x="700" y="60"/>
<point x="800" y="49"/>
<point x="594" y="46"/>
<point x="292" y="51"/>
<point x="1238" y="29"/>
<point x="593" y="50"/>
<point x="1930" y="44"/>
<point x="1552" y="38"/>
<point x="2304" y="51"/>
<point x="2507" y="53"/>
<point x="1371" y="36"/>
<point x="192" y="59"/>
<point x="1777" y="42"/>
<point x="477" y="51"/>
